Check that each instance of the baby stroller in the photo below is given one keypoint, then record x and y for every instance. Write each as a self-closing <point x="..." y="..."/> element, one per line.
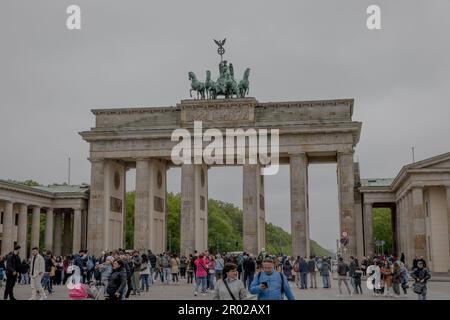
<point x="83" y="291"/>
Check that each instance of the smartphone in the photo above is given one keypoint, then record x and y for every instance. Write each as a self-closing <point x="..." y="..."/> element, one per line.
<point x="264" y="284"/>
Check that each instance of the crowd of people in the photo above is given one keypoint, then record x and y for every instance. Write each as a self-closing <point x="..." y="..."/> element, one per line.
<point x="121" y="273"/>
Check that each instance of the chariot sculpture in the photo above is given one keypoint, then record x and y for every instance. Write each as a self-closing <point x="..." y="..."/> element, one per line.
<point x="225" y="85"/>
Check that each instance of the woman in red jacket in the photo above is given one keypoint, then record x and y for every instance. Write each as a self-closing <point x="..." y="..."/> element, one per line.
<point x="202" y="273"/>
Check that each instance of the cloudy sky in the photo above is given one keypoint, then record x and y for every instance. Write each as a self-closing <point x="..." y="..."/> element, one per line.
<point x="138" y="53"/>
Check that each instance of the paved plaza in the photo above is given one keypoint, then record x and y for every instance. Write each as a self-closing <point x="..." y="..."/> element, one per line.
<point x="436" y="291"/>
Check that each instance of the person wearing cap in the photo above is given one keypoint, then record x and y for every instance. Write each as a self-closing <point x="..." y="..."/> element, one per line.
<point x="13" y="264"/>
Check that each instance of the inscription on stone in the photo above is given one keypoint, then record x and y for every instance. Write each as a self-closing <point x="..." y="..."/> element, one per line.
<point x="115" y="204"/>
<point x="221" y="115"/>
<point x="158" y="204"/>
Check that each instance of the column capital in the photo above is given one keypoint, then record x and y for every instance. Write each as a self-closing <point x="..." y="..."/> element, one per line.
<point x="417" y="185"/>
<point x="447" y="185"/>
<point x="142" y="159"/>
<point x="345" y="153"/>
<point x="368" y="203"/>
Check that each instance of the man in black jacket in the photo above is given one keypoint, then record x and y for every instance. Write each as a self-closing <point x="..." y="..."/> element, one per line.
<point x="421" y="276"/>
<point x="13" y="265"/>
<point x="249" y="266"/>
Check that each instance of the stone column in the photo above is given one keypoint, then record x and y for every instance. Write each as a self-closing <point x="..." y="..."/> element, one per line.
<point x="368" y="229"/>
<point x="57" y="247"/>
<point x="194" y="208"/>
<point x="83" y="228"/>
<point x="410" y="237"/>
<point x="22" y="231"/>
<point x="394" y="228"/>
<point x="7" y="236"/>
<point x="347" y="201"/>
<point x="49" y="230"/>
<point x="253" y="204"/>
<point x="156" y="214"/>
<point x="76" y="244"/>
<point x="420" y="235"/>
<point x="67" y="233"/>
<point x="299" y="205"/>
<point x="447" y="189"/>
<point x="141" y="206"/>
<point x="401" y="226"/>
<point x="187" y="232"/>
<point x="97" y="209"/>
<point x="35" y="227"/>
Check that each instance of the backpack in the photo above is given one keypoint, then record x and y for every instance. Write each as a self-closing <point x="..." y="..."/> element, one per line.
<point x="165" y="262"/>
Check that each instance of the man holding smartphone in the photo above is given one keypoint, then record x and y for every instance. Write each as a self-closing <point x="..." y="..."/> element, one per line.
<point x="270" y="284"/>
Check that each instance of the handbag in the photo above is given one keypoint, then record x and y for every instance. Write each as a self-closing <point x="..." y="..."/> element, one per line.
<point x="418" y="288"/>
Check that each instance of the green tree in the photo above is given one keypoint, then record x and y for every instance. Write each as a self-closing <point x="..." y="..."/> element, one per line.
<point x="382" y="227"/>
<point x="224" y="228"/>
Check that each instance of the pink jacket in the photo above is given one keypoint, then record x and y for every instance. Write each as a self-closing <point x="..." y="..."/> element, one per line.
<point x="202" y="266"/>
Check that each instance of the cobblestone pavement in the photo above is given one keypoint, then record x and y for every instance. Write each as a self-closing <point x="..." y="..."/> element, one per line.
<point x="184" y="291"/>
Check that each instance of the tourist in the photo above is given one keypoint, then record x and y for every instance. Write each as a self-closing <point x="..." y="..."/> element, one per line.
<point x="421" y="259"/>
<point x="357" y="276"/>
<point x="312" y="269"/>
<point x="46" y="279"/>
<point x="352" y="268"/>
<point x="325" y="273"/>
<point x="303" y="269"/>
<point x="36" y="273"/>
<point x="174" y="267"/>
<point x="117" y="281"/>
<point x="211" y="273"/>
<point x="404" y="275"/>
<point x="59" y="270"/>
<point x="2" y="271"/>
<point x="342" y="270"/>
<point x="229" y="287"/>
<point x="240" y="265"/>
<point x="249" y="267"/>
<point x="105" y="270"/>
<point x="201" y="274"/>
<point x="165" y="264"/>
<point x="12" y="271"/>
<point x="66" y="263"/>
<point x="402" y="258"/>
<point x="145" y="273"/>
<point x="152" y="259"/>
<point x="128" y="267"/>
<point x="386" y="271"/>
<point x="24" y="269"/>
<point x="414" y="264"/>
<point x="136" y="277"/>
<point x="421" y="276"/>
<point x="396" y="278"/>
<point x="219" y="266"/>
<point x="183" y="266"/>
<point x="287" y="269"/>
<point x="190" y="269"/>
<point x="158" y="268"/>
<point x="270" y="284"/>
<point x="293" y="271"/>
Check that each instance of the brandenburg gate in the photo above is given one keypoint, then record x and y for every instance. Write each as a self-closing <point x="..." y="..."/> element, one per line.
<point x="309" y="132"/>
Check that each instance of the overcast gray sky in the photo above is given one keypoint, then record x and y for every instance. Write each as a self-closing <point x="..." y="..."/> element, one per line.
<point x="138" y="53"/>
